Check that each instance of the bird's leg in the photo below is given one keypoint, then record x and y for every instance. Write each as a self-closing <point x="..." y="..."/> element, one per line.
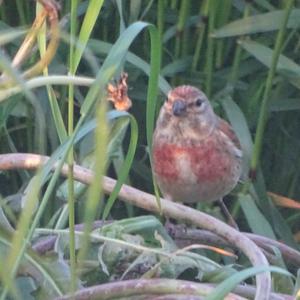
<point x="169" y="226"/>
<point x="172" y="228"/>
<point x="227" y="214"/>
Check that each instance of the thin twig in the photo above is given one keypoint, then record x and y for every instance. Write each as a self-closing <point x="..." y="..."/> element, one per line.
<point x="190" y="236"/>
<point x="127" y="289"/>
<point x="154" y="287"/>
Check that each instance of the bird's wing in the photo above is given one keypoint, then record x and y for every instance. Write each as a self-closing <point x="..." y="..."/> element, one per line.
<point x="226" y="129"/>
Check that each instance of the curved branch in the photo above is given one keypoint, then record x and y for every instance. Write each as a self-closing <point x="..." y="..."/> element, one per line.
<point x="190" y="236"/>
<point x="153" y="287"/>
<point x="170" y="209"/>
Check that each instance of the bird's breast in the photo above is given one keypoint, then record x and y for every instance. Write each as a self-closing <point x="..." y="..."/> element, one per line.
<point x="172" y="162"/>
<point x="207" y="169"/>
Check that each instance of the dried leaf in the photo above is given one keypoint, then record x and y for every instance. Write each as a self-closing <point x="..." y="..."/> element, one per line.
<point x="118" y="93"/>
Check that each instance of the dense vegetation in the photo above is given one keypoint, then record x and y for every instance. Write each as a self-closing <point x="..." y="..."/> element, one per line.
<point x="60" y="65"/>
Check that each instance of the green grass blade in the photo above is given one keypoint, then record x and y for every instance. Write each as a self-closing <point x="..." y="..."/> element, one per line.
<point x="123" y="173"/>
<point x="258" y="23"/>
<point x="112" y="63"/>
<point x="229" y="284"/>
<point x="7" y="36"/>
<point x="89" y="21"/>
<point x="256" y="220"/>
<point x="95" y="189"/>
<point x="70" y="179"/>
<point x="155" y="61"/>
<point x="21" y="231"/>
<point x="285" y="66"/>
<point x="262" y="120"/>
<point x="55" y="110"/>
<point x="104" y="48"/>
<point x="152" y="94"/>
<point x="46" y="279"/>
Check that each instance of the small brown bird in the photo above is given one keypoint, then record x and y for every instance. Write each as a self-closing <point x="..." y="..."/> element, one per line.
<point x="196" y="155"/>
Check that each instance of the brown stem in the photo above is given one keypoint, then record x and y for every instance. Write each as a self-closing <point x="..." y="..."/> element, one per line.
<point x="154" y="287"/>
<point x="151" y="287"/>
<point x="170" y="209"/>
<point x="29" y="40"/>
<point x="51" y="12"/>
<point x="47" y="243"/>
<point x="190" y="236"/>
<point x="51" y="8"/>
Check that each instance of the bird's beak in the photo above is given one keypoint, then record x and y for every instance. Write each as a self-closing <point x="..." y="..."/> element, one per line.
<point x="179" y="107"/>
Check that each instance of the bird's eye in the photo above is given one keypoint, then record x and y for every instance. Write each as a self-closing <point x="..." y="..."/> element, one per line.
<point x="199" y="102"/>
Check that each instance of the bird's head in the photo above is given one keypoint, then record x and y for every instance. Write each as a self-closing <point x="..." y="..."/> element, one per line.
<point x="188" y="113"/>
<point x="187" y="101"/>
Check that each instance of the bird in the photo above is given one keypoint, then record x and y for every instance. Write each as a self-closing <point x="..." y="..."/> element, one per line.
<point x="196" y="155"/>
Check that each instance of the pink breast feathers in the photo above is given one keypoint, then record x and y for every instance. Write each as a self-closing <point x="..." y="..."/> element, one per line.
<point x="207" y="162"/>
<point x="164" y="157"/>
